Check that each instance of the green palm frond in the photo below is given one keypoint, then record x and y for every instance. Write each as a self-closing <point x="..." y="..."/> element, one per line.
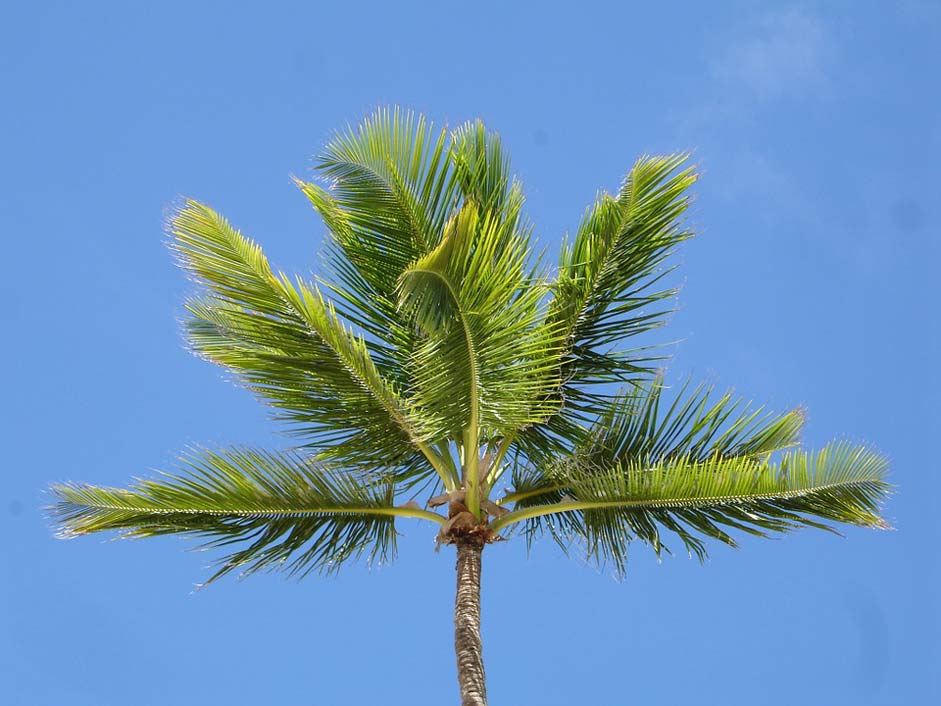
<point x="608" y="273"/>
<point x="606" y="291"/>
<point x="641" y="426"/>
<point x="486" y="364"/>
<point x="392" y="187"/>
<point x="484" y="174"/>
<point x="696" y="498"/>
<point x="485" y="356"/>
<point x="286" y="343"/>
<point x="282" y="510"/>
<point x="697" y="424"/>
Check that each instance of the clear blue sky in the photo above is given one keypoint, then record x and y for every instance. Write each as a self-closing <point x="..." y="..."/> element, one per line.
<point x="814" y="282"/>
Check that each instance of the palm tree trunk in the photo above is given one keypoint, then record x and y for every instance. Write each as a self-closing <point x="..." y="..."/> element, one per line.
<point x="467" y="646"/>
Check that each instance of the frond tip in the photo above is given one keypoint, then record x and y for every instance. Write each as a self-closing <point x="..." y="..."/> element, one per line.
<point x="287" y="512"/>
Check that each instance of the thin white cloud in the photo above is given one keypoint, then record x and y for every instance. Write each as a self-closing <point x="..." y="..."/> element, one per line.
<point x="752" y="67"/>
<point x="782" y="54"/>
<point x="748" y="173"/>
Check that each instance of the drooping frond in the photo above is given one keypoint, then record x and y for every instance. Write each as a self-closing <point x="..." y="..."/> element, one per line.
<point x="697" y="497"/>
<point x="286" y="343"/>
<point x="607" y="292"/>
<point x="281" y="511"/>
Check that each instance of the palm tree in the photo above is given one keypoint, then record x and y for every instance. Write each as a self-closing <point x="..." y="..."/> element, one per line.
<point x="439" y="360"/>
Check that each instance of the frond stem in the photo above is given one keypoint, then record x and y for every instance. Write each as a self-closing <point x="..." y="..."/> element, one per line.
<point x="495" y="472"/>
<point x="472" y="432"/>
<point x="413" y="512"/>
<point x="516" y="497"/>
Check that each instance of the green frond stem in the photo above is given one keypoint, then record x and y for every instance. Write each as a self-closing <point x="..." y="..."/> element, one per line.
<point x="76" y="491"/>
<point x="495" y="469"/>
<point x="547" y="489"/>
<point x="472" y="431"/>
<point x="444" y="453"/>
<point x="440" y="466"/>
<point x="472" y="462"/>
<point x="674" y="503"/>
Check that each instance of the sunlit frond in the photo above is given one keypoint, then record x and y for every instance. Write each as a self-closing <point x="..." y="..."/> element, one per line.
<point x="282" y="511"/>
<point x="391" y="189"/>
<point x="285" y="342"/>
<point x="607" y="290"/>
<point x="486" y="361"/>
<point x="484" y="174"/>
<point x="692" y="423"/>
<point x="697" y="497"/>
<point x="697" y="423"/>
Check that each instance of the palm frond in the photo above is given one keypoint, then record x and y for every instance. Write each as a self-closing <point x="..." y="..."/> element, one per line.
<point x="282" y="510"/>
<point x="606" y="274"/>
<point x="286" y="343"/>
<point x="392" y="187"/>
<point x="696" y="498"/>
<point x="484" y="174"/>
<point x="641" y="426"/>
<point x="486" y="365"/>
<point x="607" y="293"/>
<point x="696" y="424"/>
<point x="442" y="357"/>
<point x="486" y="361"/>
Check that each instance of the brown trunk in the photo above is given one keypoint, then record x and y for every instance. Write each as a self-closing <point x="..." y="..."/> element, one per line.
<point x="470" y="661"/>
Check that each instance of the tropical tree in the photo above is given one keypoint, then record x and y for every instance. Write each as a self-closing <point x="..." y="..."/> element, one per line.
<point x="439" y="359"/>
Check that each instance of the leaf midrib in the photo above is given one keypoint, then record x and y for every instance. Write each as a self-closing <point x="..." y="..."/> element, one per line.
<point x="266" y="512"/>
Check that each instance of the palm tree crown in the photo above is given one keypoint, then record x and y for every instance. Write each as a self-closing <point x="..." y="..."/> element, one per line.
<point x="440" y="358"/>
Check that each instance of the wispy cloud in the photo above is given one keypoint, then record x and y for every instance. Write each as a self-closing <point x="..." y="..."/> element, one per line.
<point x="753" y="67"/>
<point x="784" y="55"/>
<point x="779" y="55"/>
<point x="750" y="173"/>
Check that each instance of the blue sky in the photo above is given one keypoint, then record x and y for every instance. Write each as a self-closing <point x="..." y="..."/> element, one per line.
<point x="814" y="282"/>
